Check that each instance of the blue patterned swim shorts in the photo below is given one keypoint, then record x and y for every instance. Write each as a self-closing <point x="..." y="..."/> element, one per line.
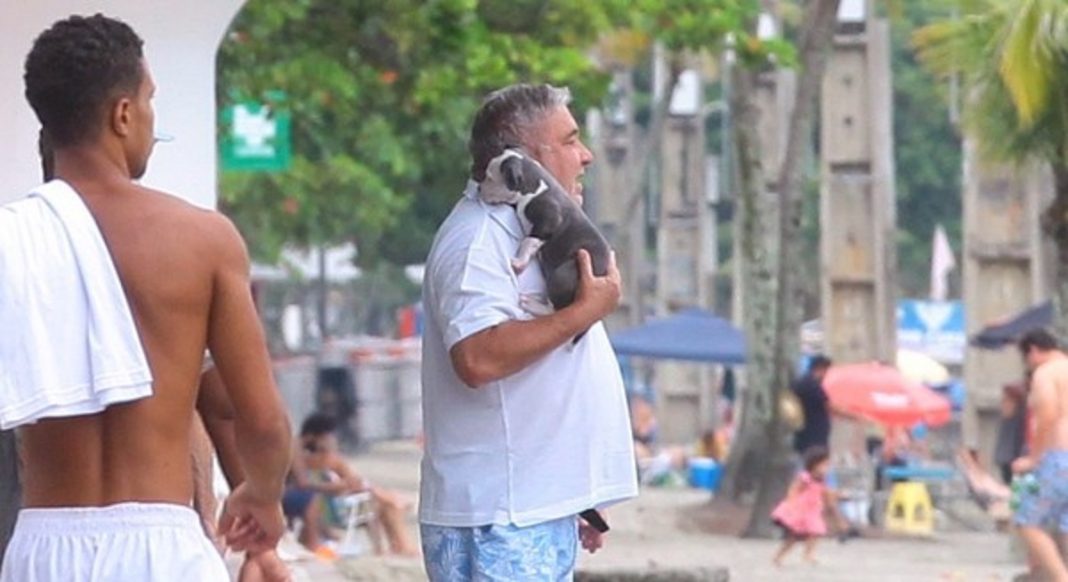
<point x="1048" y="505"/>
<point x="497" y="553"/>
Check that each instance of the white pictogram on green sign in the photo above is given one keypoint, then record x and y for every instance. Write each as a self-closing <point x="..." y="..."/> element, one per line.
<point x="256" y="137"/>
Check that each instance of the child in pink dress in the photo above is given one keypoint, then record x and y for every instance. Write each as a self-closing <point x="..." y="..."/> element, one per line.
<point x="800" y="515"/>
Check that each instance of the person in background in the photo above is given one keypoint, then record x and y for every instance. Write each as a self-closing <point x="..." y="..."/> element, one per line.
<point x="214" y="437"/>
<point x="712" y="444"/>
<point x="658" y="465"/>
<point x="1047" y="457"/>
<point x="894" y="452"/>
<point x="815" y="406"/>
<point x="1012" y="428"/>
<point x="800" y="514"/>
<point x="321" y="478"/>
<point x="643" y="426"/>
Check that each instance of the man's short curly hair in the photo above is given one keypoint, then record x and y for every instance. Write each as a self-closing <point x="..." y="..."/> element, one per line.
<point x="75" y="69"/>
<point x="505" y="119"/>
<point x="1039" y="338"/>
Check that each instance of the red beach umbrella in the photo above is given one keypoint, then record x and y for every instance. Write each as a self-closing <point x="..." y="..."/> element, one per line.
<point x="882" y="394"/>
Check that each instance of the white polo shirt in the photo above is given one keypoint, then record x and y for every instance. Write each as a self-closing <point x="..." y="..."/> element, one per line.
<point x="547" y="442"/>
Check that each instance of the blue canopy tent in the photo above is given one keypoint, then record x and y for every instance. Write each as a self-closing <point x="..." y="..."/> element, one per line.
<point x="693" y="335"/>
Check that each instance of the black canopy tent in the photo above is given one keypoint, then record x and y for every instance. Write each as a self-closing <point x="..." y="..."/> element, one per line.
<point x="997" y="336"/>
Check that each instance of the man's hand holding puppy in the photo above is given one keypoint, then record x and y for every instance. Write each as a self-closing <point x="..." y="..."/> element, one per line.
<point x="597" y="297"/>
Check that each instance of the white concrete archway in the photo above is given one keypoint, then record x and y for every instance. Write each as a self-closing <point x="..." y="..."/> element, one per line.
<point x="181" y="41"/>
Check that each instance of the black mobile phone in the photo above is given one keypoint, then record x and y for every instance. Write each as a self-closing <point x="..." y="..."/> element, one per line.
<point x="595" y="519"/>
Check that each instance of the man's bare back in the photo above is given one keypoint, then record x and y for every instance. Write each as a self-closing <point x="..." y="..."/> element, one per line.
<point x="1049" y="403"/>
<point x="178" y="264"/>
<point x="108" y="495"/>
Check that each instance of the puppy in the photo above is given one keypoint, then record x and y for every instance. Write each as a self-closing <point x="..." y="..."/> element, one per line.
<point x="554" y="224"/>
<point x="556" y="228"/>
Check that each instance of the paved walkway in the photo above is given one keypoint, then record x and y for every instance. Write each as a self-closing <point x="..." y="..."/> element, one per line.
<point x="652" y="533"/>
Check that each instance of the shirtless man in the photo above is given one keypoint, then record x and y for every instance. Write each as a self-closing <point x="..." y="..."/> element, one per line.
<point x="107" y="495"/>
<point x="1048" y="456"/>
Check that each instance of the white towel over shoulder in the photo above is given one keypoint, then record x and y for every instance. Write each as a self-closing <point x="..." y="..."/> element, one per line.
<point x="68" y="343"/>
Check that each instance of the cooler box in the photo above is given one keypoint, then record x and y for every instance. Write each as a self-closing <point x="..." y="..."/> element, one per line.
<point x="705" y="473"/>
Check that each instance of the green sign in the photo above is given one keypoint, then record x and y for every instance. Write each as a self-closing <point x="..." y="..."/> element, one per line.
<point x="256" y="137"/>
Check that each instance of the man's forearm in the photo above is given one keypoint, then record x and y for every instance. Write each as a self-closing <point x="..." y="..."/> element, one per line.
<point x="264" y="455"/>
<point x="217" y="413"/>
<point x="222" y="436"/>
<point x="507" y="348"/>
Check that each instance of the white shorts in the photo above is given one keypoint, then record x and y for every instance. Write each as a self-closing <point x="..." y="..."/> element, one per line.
<point x="124" y="542"/>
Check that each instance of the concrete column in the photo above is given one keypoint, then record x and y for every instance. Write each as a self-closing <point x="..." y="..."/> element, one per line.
<point x="613" y="146"/>
<point x="1007" y="268"/>
<point x="857" y="196"/>
<point x="857" y="203"/>
<point x="683" y="212"/>
<point x="685" y="391"/>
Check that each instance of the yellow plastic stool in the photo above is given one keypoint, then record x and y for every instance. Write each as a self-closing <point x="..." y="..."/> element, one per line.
<point x="909" y="509"/>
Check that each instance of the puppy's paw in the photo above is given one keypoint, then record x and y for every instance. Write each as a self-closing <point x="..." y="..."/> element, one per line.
<point x="535" y="304"/>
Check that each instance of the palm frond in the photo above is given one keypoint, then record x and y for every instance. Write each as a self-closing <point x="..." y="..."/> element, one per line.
<point x="1025" y="61"/>
<point x="1012" y="56"/>
<point x="961" y="45"/>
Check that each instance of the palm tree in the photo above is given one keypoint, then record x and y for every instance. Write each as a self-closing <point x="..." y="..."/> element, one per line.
<point x="1012" y="56"/>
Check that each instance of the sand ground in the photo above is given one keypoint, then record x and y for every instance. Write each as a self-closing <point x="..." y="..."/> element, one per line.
<point x="663" y="528"/>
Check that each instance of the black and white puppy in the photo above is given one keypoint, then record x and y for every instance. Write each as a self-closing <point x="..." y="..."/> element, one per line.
<point x="553" y="222"/>
<point x="556" y="228"/>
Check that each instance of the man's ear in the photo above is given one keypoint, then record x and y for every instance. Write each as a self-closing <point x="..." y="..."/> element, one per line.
<point x="121" y="115"/>
<point x="512" y="173"/>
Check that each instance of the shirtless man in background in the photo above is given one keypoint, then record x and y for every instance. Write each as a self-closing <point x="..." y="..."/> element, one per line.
<point x="99" y="489"/>
<point x="1048" y="455"/>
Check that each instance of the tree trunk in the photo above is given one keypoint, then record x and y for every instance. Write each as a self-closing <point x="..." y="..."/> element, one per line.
<point x="757" y="252"/>
<point x="1055" y="223"/>
<point x="817" y="32"/>
<point x="10" y="490"/>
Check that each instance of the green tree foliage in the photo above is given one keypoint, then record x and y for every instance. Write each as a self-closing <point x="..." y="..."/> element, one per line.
<point x="1013" y="58"/>
<point x="381" y="95"/>
<point x="927" y="153"/>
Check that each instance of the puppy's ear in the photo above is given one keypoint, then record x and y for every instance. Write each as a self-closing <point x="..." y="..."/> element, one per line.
<point x="512" y="173"/>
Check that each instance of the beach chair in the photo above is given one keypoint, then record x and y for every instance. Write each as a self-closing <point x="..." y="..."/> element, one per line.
<point x="358" y="512"/>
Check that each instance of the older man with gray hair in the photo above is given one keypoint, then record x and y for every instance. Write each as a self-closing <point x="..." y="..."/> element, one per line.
<point x="524" y="430"/>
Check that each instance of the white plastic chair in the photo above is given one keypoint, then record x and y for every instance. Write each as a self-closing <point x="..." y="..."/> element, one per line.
<point x="359" y="512"/>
